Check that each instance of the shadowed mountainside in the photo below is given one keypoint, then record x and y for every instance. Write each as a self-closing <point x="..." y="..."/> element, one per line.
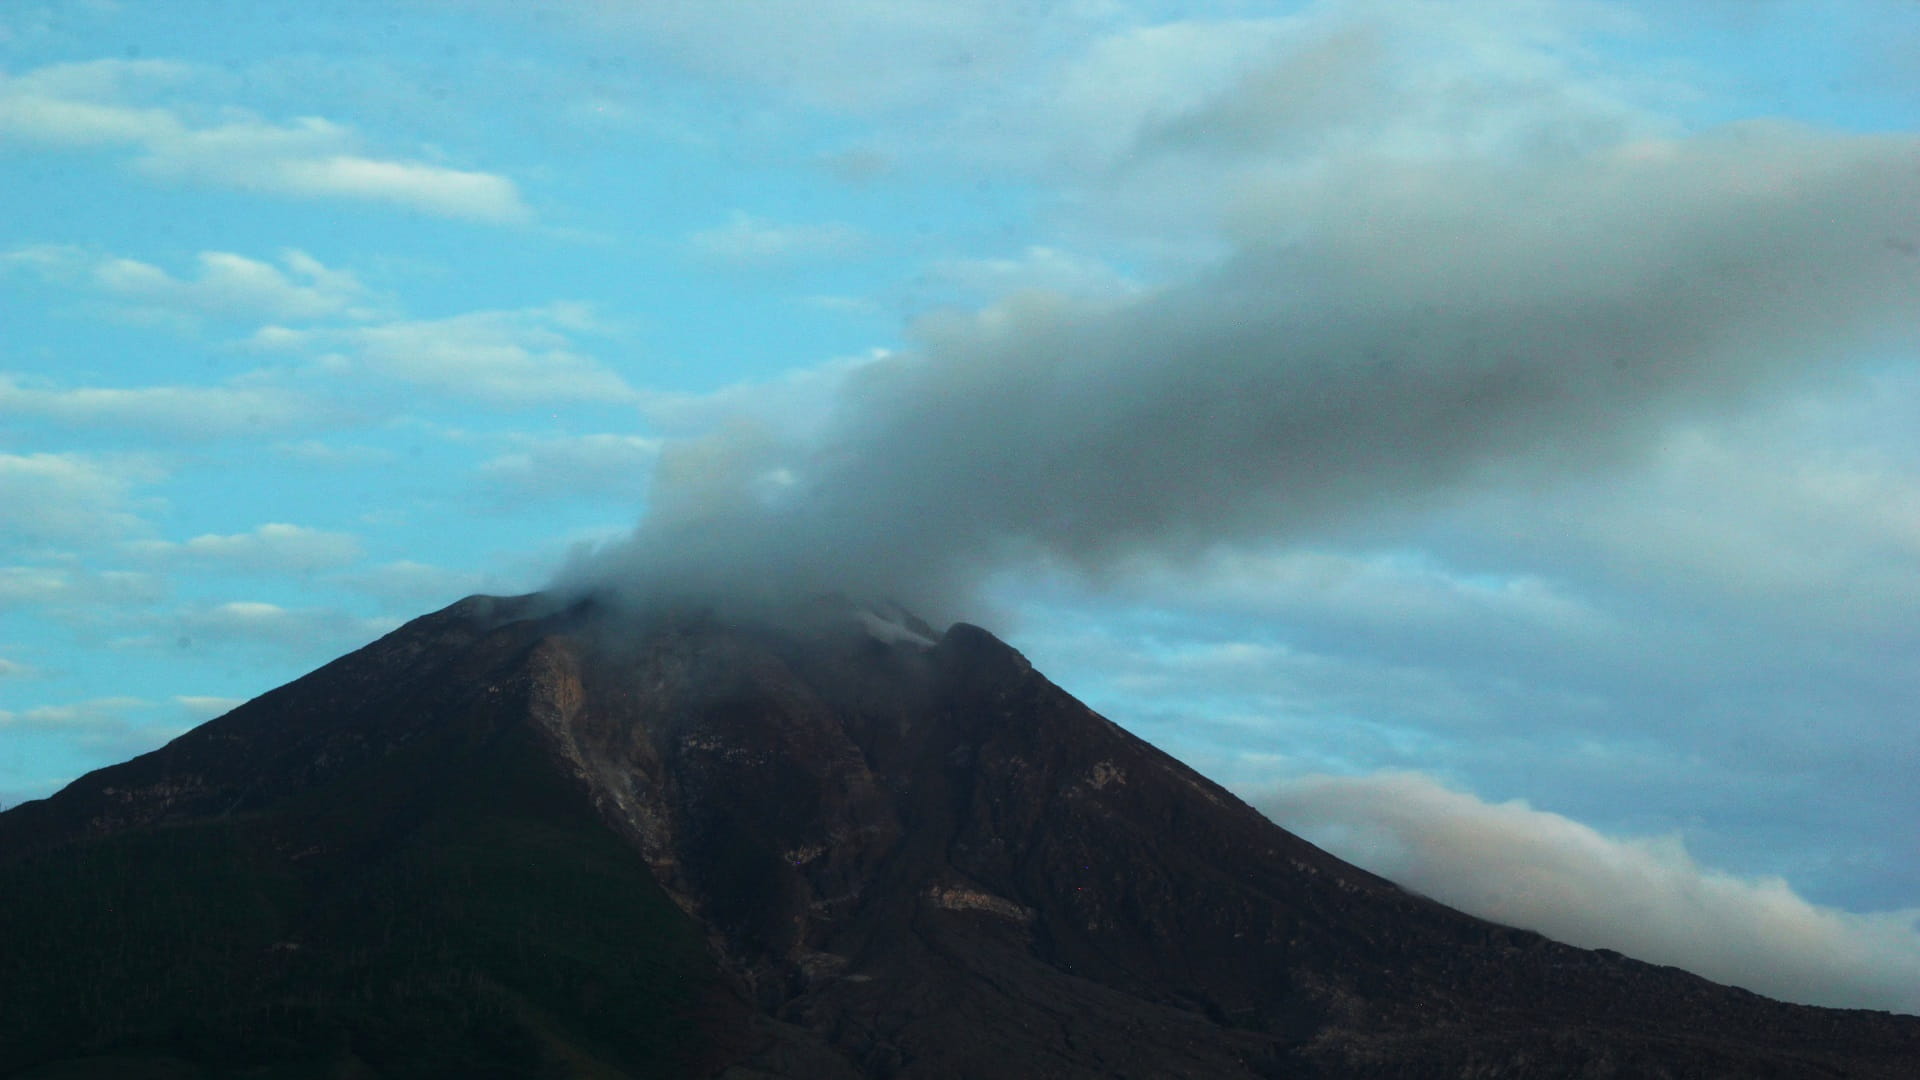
<point x="519" y="839"/>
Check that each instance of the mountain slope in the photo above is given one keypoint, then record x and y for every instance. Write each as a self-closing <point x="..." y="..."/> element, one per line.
<point x="550" y="841"/>
<point x="357" y="874"/>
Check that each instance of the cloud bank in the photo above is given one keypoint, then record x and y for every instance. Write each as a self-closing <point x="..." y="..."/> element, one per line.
<point x="1645" y="897"/>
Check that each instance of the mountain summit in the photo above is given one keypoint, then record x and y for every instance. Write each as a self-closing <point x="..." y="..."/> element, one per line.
<point x="524" y="838"/>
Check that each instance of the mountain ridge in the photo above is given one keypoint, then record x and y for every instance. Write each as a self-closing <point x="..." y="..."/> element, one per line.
<point x="866" y="855"/>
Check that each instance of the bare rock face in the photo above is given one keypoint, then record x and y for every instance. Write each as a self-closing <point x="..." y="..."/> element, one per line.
<point x="888" y="852"/>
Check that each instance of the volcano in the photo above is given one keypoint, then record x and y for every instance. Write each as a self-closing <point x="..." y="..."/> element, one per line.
<point x="525" y="837"/>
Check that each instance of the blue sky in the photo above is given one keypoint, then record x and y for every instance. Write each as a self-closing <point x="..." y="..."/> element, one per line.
<point x="1481" y="433"/>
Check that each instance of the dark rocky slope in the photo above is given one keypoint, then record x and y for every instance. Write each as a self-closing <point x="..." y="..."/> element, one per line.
<point x="513" y="840"/>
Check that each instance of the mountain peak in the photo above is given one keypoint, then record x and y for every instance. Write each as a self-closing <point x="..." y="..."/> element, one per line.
<point x="852" y="847"/>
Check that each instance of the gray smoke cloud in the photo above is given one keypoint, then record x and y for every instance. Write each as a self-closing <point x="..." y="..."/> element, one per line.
<point x="1386" y="331"/>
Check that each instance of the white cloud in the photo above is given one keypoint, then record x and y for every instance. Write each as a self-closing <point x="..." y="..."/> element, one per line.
<point x="509" y="359"/>
<point x="13" y="669"/>
<point x="228" y="286"/>
<point x="68" y="497"/>
<point x="307" y="632"/>
<point x="578" y="466"/>
<point x="51" y="262"/>
<point x="1645" y="897"/>
<point x="94" y="105"/>
<point x="302" y="636"/>
<point x="201" y="708"/>
<point x="273" y="548"/>
<point x="70" y="586"/>
<point x="187" y="412"/>
<point x="105" y="728"/>
<point x="22" y="585"/>
<point x="749" y="241"/>
<point x="94" y="717"/>
<point x="436" y="189"/>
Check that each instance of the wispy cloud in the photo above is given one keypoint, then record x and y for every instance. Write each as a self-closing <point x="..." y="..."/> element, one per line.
<point x="307" y="632"/>
<point x="201" y="708"/>
<point x="96" y="715"/>
<point x="509" y="359"/>
<point x="187" y="412"/>
<point x="1645" y="897"/>
<point x="69" y="497"/>
<point x="107" y="104"/>
<point x="572" y="467"/>
<point x="274" y="548"/>
<point x="30" y="585"/>
<point x="748" y="241"/>
<point x="227" y="286"/>
<point x="106" y="727"/>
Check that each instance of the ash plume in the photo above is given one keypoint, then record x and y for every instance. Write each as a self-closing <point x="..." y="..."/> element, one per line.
<point x="1385" y="332"/>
